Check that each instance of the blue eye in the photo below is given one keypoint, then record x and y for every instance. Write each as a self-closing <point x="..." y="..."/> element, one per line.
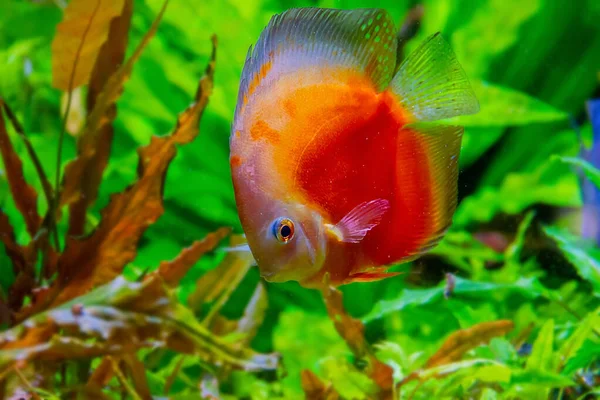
<point x="283" y="229"/>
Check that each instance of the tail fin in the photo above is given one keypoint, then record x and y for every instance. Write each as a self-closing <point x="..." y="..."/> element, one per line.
<point x="431" y="85"/>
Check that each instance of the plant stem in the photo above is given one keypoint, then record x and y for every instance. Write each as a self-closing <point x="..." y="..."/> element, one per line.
<point x="123" y="380"/>
<point x="27" y="384"/>
<point x="61" y="137"/>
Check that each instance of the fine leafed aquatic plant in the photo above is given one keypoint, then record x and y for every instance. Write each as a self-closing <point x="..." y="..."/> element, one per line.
<point x="69" y="301"/>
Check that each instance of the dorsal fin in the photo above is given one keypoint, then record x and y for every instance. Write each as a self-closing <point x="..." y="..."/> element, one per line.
<point x="363" y="40"/>
<point x="431" y="85"/>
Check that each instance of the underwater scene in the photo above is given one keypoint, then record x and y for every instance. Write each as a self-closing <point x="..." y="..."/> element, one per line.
<point x="302" y="199"/>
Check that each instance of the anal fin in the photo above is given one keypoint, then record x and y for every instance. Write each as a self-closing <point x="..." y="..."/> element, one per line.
<point x="371" y="276"/>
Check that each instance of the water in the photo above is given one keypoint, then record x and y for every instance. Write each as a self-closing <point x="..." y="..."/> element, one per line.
<point x="505" y="307"/>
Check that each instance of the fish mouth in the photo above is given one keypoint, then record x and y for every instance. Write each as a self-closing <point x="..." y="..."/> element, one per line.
<point x="267" y="274"/>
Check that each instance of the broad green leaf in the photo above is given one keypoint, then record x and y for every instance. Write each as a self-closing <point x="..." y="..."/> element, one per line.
<point x="588" y="353"/>
<point x="547" y="184"/>
<point x="476" y="141"/>
<point x="492" y="29"/>
<point x="540" y="358"/>
<point x="495" y="373"/>
<point x="539" y="379"/>
<point x="393" y="355"/>
<point x="513" y="251"/>
<point x="346" y="380"/>
<point x="584" y="260"/>
<point x="527" y="287"/>
<point x="290" y="337"/>
<point x="575" y="342"/>
<point x="592" y="173"/>
<point x="408" y="298"/>
<point x="501" y="107"/>
<point x="586" y="395"/>
<point x="488" y="394"/>
<point x="461" y="245"/>
<point x="522" y="152"/>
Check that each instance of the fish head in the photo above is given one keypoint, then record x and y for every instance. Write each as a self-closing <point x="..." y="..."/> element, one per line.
<point x="287" y="241"/>
<point x="286" y="237"/>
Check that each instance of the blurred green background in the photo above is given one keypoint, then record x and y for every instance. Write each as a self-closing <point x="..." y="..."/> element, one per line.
<point x="533" y="64"/>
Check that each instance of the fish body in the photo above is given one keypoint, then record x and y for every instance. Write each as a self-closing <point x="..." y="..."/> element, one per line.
<point x="336" y="172"/>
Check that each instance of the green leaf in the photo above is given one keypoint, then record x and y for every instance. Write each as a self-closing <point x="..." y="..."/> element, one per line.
<point x="540" y="379"/>
<point x="501" y="107"/>
<point x="541" y="357"/>
<point x="575" y="342"/>
<point x="488" y="394"/>
<point x="527" y="287"/>
<point x="492" y="29"/>
<point x="547" y="184"/>
<point x="393" y="355"/>
<point x="290" y="340"/>
<point x="347" y="381"/>
<point x="586" y="395"/>
<point x="588" y="353"/>
<point x="476" y="141"/>
<point x="495" y="373"/>
<point x="541" y="353"/>
<point x="585" y="260"/>
<point x="592" y="173"/>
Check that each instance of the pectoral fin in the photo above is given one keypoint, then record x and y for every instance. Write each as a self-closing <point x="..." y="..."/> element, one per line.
<point x="358" y="222"/>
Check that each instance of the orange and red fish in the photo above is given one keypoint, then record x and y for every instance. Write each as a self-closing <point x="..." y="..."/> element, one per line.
<point x="337" y="165"/>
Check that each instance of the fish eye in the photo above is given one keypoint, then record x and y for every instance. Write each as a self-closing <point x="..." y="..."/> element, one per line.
<point x="283" y="229"/>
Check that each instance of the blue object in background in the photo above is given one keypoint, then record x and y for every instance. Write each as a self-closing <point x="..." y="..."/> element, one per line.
<point x="590" y="227"/>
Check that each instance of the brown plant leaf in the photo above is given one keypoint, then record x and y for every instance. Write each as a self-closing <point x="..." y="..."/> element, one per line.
<point x="219" y="282"/>
<point x="110" y="58"/>
<point x="120" y="318"/>
<point x="247" y="326"/>
<point x="78" y="39"/>
<point x="101" y="376"/>
<point x="14" y="251"/>
<point x="102" y="113"/>
<point x="173" y="271"/>
<point x="23" y="262"/>
<point x="463" y="340"/>
<point x="4" y="311"/>
<point x="254" y="314"/>
<point x="76" y="116"/>
<point x="352" y="331"/>
<point x="315" y="389"/>
<point x="48" y="191"/>
<point x="24" y="196"/>
<point x="101" y="256"/>
<point x="26" y="379"/>
<point x="23" y="285"/>
<point x="137" y="371"/>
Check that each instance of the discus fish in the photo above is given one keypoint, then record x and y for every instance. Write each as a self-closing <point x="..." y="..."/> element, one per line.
<point x="337" y="168"/>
